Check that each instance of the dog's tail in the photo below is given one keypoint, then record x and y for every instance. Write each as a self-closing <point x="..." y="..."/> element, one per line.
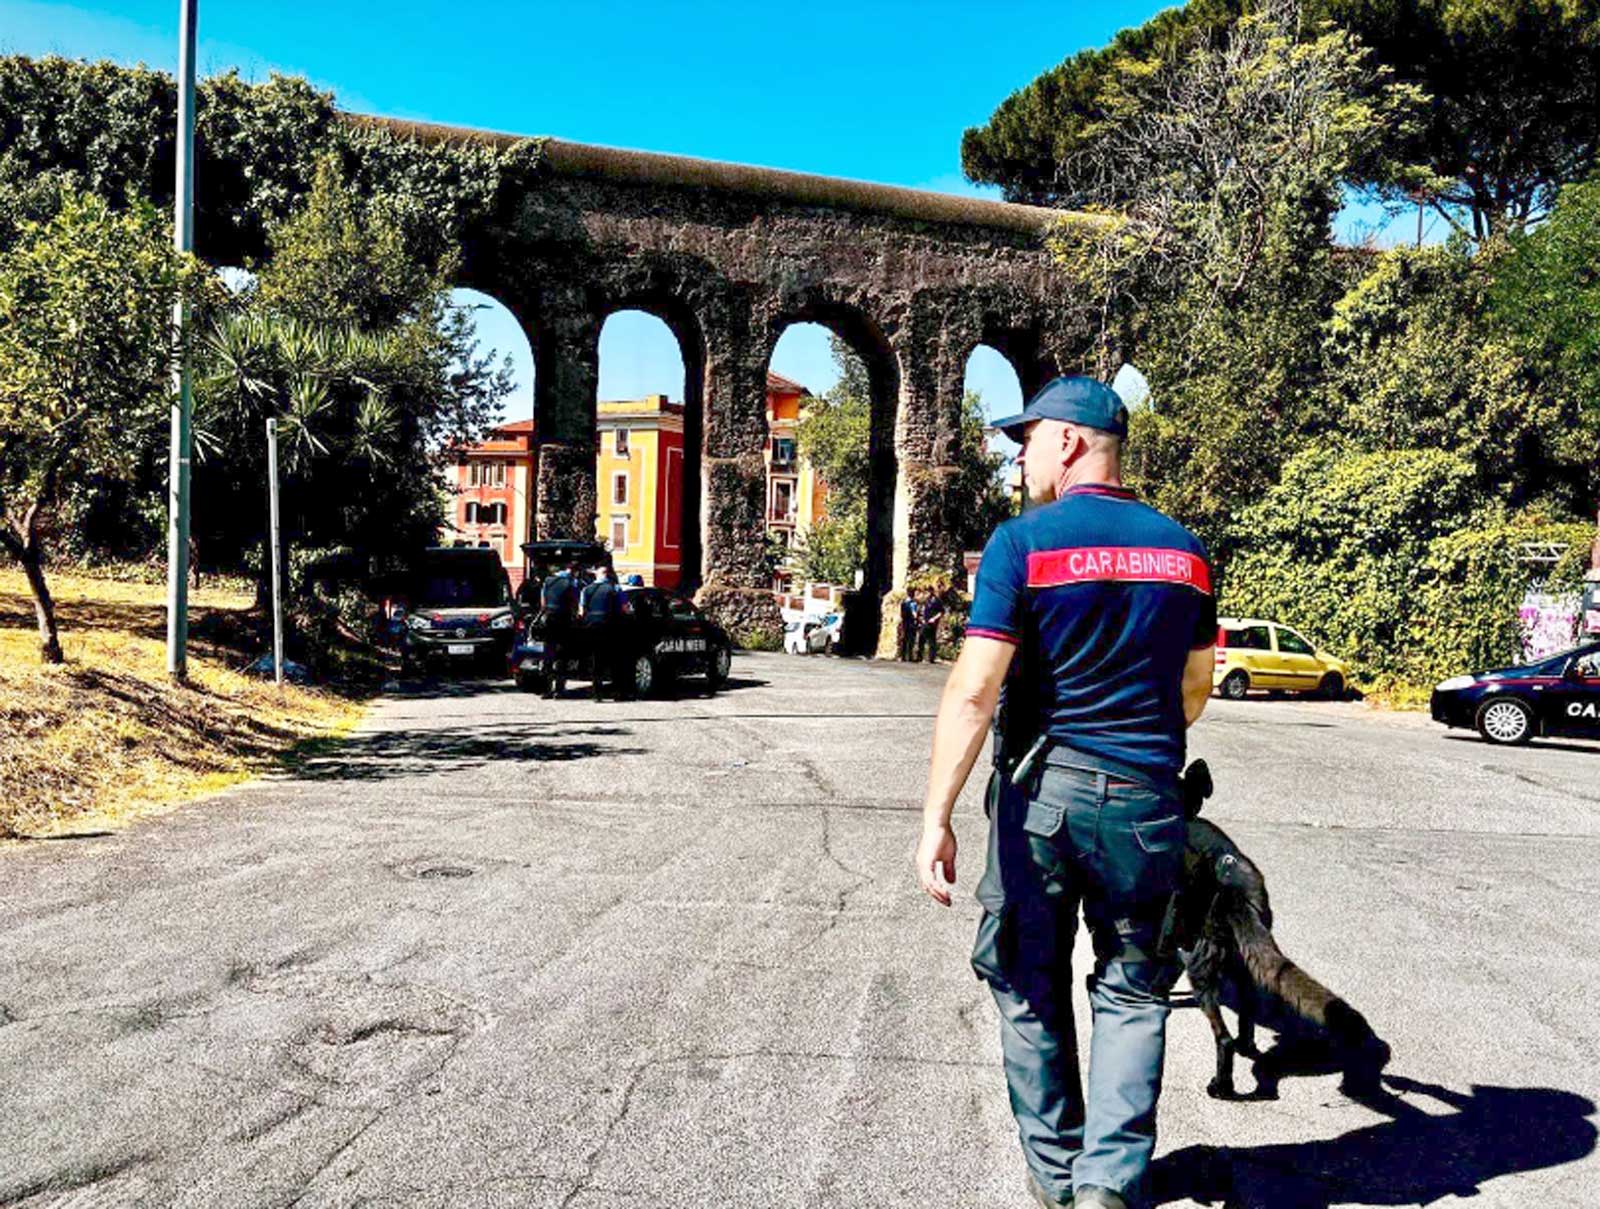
<point x="1302" y="994"/>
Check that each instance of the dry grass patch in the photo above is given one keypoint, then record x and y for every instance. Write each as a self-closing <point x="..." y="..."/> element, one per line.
<point x="105" y="737"/>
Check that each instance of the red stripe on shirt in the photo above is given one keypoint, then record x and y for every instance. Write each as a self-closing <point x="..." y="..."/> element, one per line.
<point x="1117" y="564"/>
<point x="997" y="635"/>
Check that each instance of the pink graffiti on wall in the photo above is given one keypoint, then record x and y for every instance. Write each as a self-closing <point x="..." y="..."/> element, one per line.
<point x="1549" y="623"/>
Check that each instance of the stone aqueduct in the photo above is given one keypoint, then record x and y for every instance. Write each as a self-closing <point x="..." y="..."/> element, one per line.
<point x="728" y="256"/>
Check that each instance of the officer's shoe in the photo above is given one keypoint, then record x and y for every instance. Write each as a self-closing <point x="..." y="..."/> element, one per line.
<point x="1042" y="1198"/>
<point x="1098" y="1198"/>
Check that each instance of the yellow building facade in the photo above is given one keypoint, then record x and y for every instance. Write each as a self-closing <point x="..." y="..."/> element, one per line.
<point x="639" y="487"/>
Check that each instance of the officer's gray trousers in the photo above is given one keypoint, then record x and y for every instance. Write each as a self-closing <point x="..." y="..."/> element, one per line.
<point x="1115" y="848"/>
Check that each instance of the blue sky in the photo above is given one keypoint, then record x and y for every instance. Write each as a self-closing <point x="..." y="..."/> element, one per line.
<point x="875" y="89"/>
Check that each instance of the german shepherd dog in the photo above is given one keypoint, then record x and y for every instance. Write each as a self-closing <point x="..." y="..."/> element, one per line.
<point x="1222" y="928"/>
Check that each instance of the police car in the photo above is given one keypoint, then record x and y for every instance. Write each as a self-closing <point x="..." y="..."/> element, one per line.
<point x="1557" y="695"/>
<point x="663" y="637"/>
<point x="459" y="610"/>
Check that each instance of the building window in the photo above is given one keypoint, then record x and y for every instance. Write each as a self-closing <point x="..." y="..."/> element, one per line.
<point x="783" y="451"/>
<point x="493" y="514"/>
<point x="499" y="474"/>
<point x="619" y="488"/>
<point x="619" y="533"/>
<point x="783" y="501"/>
<point x="622" y="442"/>
<point x="474" y="474"/>
<point x="472" y="511"/>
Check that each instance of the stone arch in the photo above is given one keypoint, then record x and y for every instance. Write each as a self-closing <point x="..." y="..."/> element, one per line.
<point x="858" y="322"/>
<point x="994" y="377"/>
<point x="684" y="324"/>
<point x="1021" y="341"/>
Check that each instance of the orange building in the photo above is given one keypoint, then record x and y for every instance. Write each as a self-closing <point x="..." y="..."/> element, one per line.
<point x="795" y="495"/>
<point x="493" y="504"/>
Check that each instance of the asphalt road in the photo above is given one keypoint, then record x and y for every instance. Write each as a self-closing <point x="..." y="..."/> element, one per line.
<point x="500" y="951"/>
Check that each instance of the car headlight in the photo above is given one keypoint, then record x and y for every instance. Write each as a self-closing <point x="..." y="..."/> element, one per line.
<point x="1454" y="683"/>
<point x="502" y="623"/>
<point x="417" y="622"/>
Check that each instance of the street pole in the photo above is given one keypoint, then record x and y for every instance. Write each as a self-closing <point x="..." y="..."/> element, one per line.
<point x="277" y="558"/>
<point x="183" y="402"/>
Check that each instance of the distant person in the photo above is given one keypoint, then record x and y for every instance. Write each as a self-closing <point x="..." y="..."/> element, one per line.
<point x="601" y="611"/>
<point x="558" y="609"/>
<point x="910" y="620"/>
<point x="929" y="616"/>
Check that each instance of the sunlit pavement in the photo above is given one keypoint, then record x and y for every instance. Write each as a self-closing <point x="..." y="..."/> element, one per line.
<point x="504" y="951"/>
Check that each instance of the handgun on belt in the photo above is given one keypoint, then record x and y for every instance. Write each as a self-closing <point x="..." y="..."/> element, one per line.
<point x="1024" y="766"/>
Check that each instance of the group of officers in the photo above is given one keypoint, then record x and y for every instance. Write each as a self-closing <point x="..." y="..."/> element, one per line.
<point x="920" y="614"/>
<point x="580" y="619"/>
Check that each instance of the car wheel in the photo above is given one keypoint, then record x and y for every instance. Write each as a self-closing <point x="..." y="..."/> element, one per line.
<point x="1332" y="687"/>
<point x="644" y="676"/>
<point x="530" y="682"/>
<point x="720" y="664"/>
<point x="1235" y="685"/>
<point x="1505" y="720"/>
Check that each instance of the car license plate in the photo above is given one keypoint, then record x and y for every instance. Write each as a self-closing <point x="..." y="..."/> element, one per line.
<point x="460" y="648"/>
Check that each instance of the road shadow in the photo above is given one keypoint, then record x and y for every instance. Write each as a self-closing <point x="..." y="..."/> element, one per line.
<point x="1414" y="1158"/>
<point x="390" y="755"/>
<point x="1583" y="749"/>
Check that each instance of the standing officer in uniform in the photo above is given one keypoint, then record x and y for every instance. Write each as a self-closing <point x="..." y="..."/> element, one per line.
<point x="1095" y="613"/>
<point x="558" y="607"/>
<point x="932" y="613"/>
<point x="601" y="611"/>
<point x="910" y="624"/>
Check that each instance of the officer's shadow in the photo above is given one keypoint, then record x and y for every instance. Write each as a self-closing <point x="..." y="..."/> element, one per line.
<point x="1414" y="1158"/>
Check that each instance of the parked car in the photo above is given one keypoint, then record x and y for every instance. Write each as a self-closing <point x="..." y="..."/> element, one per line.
<point x="1255" y="654"/>
<point x="664" y="637"/>
<point x="810" y="634"/>
<point x="1558" y="695"/>
<point x="457" y="609"/>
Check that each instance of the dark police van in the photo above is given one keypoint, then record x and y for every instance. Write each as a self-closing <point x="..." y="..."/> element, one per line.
<point x="657" y="637"/>
<point x="458" y="609"/>
<point x="1559" y="695"/>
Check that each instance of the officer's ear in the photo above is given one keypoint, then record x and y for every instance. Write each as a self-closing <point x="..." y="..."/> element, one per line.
<point x="1072" y="442"/>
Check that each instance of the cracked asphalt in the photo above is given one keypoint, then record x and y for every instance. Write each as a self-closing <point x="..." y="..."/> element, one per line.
<point x="501" y="951"/>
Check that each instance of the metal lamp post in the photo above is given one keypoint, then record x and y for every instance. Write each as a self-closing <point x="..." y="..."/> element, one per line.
<point x="183" y="402"/>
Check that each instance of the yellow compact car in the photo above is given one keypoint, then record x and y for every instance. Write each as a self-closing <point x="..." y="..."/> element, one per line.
<point x="1267" y="655"/>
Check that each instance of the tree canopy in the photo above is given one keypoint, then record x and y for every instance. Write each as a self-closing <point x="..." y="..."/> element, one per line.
<point x="1513" y="88"/>
<point x="354" y="347"/>
<point x="109" y="130"/>
<point x="86" y="339"/>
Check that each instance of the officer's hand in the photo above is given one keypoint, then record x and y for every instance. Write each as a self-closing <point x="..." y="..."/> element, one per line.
<point x="937" y="849"/>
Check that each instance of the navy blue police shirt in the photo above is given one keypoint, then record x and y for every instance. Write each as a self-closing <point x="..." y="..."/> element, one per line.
<point x="1107" y="597"/>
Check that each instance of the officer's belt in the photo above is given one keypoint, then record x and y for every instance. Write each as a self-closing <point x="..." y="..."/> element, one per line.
<point x="1049" y="751"/>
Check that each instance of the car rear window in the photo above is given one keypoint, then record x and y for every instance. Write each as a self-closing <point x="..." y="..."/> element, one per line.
<point x="1250" y="638"/>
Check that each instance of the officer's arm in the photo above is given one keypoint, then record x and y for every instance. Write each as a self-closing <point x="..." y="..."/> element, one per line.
<point x="965" y="711"/>
<point x="1197" y="683"/>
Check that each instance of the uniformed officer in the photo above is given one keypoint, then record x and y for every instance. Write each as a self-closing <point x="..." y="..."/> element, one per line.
<point x="1095" y="613"/>
<point x="558" y="608"/>
<point x="601" y="608"/>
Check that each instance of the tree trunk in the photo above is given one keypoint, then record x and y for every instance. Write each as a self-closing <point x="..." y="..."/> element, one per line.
<point x="32" y="559"/>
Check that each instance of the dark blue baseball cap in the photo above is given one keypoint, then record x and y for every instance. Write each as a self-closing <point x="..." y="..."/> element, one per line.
<point x="1076" y="400"/>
